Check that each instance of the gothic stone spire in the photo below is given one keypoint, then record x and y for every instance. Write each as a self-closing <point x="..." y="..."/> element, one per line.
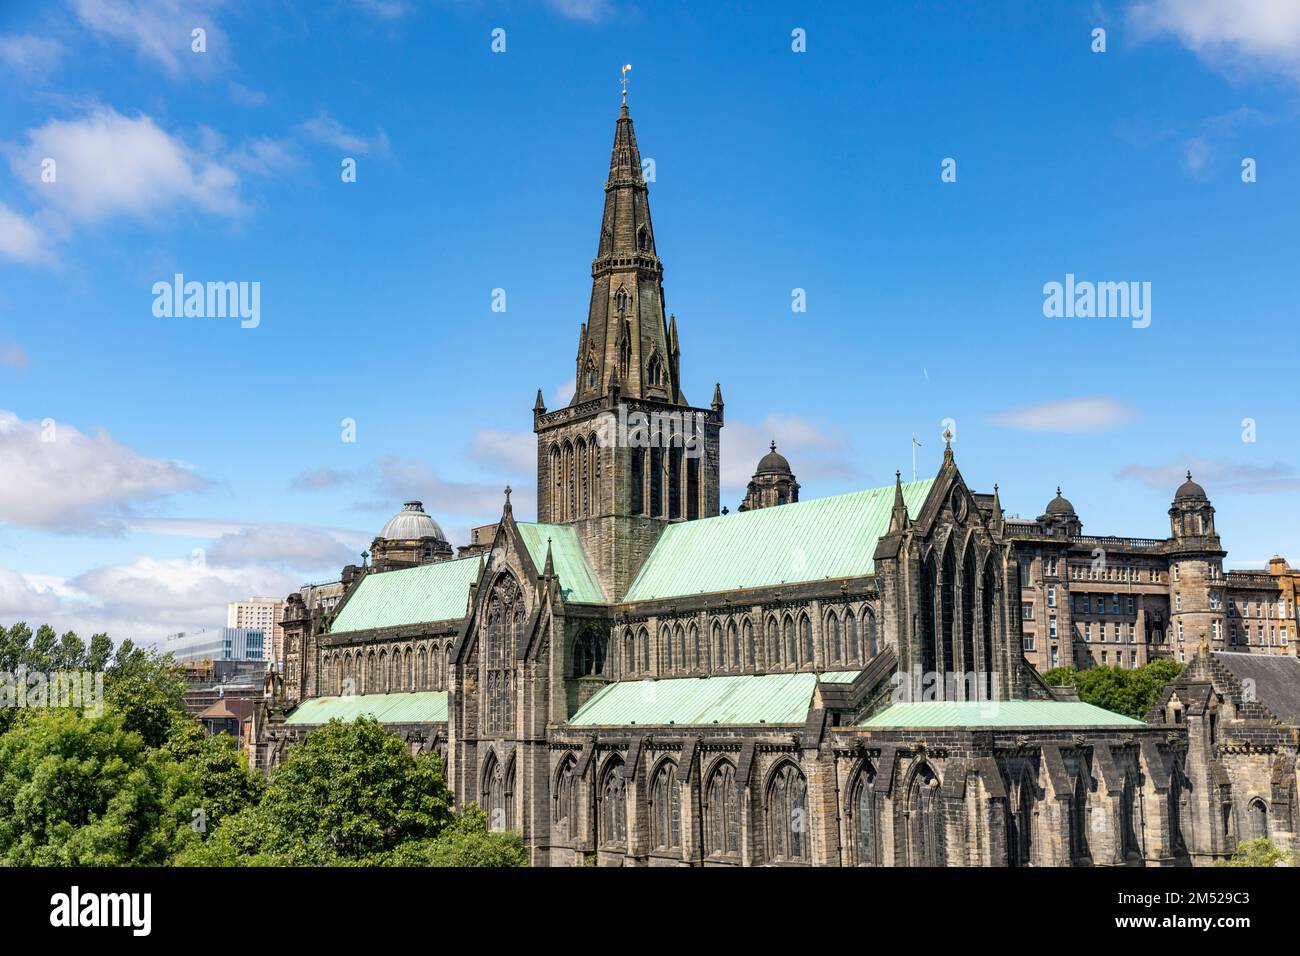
<point x="627" y="335"/>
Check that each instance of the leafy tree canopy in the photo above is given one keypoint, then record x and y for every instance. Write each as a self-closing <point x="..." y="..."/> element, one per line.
<point x="1129" y="691"/>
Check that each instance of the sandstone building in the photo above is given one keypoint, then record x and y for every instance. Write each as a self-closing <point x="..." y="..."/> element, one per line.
<point x="638" y="679"/>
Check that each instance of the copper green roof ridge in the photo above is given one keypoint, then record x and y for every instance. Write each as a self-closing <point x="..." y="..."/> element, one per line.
<point x="997" y="713"/>
<point x="419" y="595"/>
<point x="577" y="582"/>
<point x="420" y="707"/>
<point x="728" y="699"/>
<point x="819" y="539"/>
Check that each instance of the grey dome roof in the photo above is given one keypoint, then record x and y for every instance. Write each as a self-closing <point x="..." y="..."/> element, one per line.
<point x="773" y="463"/>
<point x="1060" y="505"/>
<point x="410" y="524"/>
<point x="1190" y="489"/>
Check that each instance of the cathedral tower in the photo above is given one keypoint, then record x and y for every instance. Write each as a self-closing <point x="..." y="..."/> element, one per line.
<point x="628" y="453"/>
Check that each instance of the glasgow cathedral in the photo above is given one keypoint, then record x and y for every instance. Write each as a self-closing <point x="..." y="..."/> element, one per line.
<point x="640" y="678"/>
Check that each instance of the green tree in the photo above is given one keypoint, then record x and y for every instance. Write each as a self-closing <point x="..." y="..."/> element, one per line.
<point x="465" y="842"/>
<point x="148" y="689"/>
<point x="212" y="782"/>
<point x="80" y="791"/>
<point x="352" y="793"/>
<point x="1258" y="852"/>
<point x="1129" y="691"/>
<point x="13" y="646"/>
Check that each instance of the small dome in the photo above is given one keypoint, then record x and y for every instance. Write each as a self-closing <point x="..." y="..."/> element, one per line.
<point x="410" y="524"/>
<point x="773" y="463"/>
<point x="1060" y="505"/>
<point x="1190" y="489"/>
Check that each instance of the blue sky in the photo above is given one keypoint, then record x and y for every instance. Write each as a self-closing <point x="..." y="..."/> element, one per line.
<point x="194" y="462"/>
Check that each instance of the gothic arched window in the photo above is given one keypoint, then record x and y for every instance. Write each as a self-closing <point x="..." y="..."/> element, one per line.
<point x="787" y="816"/>
<point x="613" y="806"/>
<point x="722" y="812"/>
<point x="565" y="788"/>
<point x="923" y="825"/>
<point x="666" y="809"/>
<point x="718" y="648"/>
<point x="504" y="621"/>
<point x="1128" y="841"/>
<point x="589" y="653"/>
<point x="636" y="481"/>
<point x="494" y="795"/>
<point x="1257" y="819"/>
<point x="747" y="638"/>
<point x="806" y="640"/>
<point x="1079" y="819"/>
<point x="866" y="818"/>
<point x="833" y="637"/>
<point x="654" y="370"/>
<point x="1020" y="810"/>
<point x="788" y="654"/>
<point x="773" y="644"/>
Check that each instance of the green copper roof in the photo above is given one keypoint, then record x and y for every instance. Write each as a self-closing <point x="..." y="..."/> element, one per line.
<point x="425" y="707"/>
<point x="733" y="699"/>
<point x="430" y="592"/>
<point x="576" y="580"/>
<point x="806" y="541"/>
<point x="997" y="713"/>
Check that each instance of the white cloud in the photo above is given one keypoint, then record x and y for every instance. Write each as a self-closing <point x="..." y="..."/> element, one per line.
<point x="1090" y="414"/>
<point x="160" y="31"/>
<point x="1236" y="37"/>
<point x="108" y="164"/>
<point x="287" y="546"/>
<point x="402" y="478"/>
<point x="12" y="355"/>
<point x="563" y="393"/>
<point x="323" y="479"/>
<point x="323" y="128"/>
<point x="588" y="11"/>
<point x="385" y="9"/>
<point x="816" y="453"/>
<point x="265" y="156"/>
<point x="511" y="452"/>
<point x="20" y="240"/>
<point x="21" y="598"/>
<point x="33" y="58"/>
<point x="1274" y="477"/>
<point x="77" y="482"/>
<point x="245" y="96"/>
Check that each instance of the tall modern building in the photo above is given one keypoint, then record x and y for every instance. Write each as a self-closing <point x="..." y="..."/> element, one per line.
<point x="222" y="644"/>
<point x="263" y="614"/>
<point x="637" y="679"/>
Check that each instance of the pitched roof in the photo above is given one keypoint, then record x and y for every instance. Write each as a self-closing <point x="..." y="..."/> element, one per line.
<point x="423" y="707"/>
<point x="430" y="592"/>
<point x="731" y="699"/>
<point x="1276" y="680"/>
<point x="997" y="713"/>
<point x="577" y="582"/>
<point x="228" y="708"/>
<point x="824" y="538"/>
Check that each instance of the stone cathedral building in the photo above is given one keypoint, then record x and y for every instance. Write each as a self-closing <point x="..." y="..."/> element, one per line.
<point x="638" y="679"/>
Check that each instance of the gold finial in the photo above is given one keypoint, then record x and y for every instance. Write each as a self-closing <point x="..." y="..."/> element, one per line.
<point x="627" y="68"/>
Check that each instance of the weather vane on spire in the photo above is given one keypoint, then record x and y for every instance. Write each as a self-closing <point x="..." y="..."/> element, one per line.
<point x="627" y="68"/>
